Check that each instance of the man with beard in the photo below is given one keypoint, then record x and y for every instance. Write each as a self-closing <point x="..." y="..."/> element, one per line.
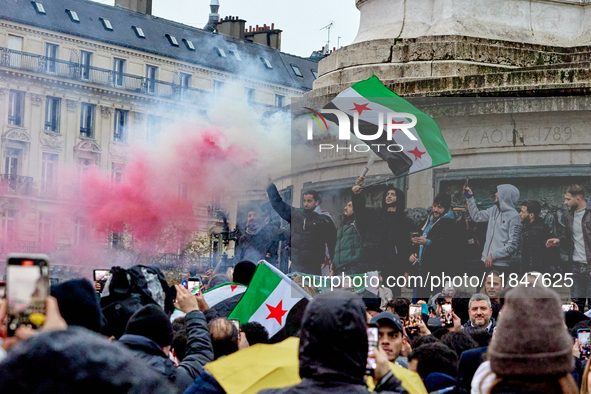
<point x="257" y="240"/>
<point x="439" y="244"/>
<point x="386" y="235"/>
<point x="480" y="313"/>
<point x="534" y="255"/>
<point x="503" y="236"/>
<point x="311" y="232"/>
<point x="348" y="248"/>
<point x="577" y="236"/>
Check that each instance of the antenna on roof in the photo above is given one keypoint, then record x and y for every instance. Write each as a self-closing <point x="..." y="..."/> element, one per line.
<point x="327" y="27"/>
<point x="214" y="17"/>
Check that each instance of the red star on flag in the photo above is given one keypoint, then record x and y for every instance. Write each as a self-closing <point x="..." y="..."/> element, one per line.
<point x="276" y="312"/>
<point x="394" y="122"/>
<point x="418" y="154"/>
<point x="233" y="287"/>
<point x="360" y="108"/>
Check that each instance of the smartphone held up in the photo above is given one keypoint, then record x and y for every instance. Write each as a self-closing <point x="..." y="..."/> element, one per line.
<point x="27" y="289"/>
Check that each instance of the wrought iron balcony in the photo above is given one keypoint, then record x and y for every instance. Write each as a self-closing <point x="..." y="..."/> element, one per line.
<point x="97" y="76"/>
<point x="15" y="184"/>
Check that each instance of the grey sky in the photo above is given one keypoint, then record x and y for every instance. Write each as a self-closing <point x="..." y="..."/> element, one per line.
<point x="300" y="20"/>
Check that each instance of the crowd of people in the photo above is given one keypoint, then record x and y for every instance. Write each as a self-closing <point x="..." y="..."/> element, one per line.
<point x="135" y="333"/>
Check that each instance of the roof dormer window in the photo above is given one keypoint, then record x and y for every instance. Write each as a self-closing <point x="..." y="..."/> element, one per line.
<point x="267" y="63"/>
<point x="106" y="24"/>
<point x="172" y="40"/>
<point x="297" y="71"/>
<point x="189" y="44"/>
<point x="221" y="52"/>
<point x="138" y="31"/>
<point x="73" y="16"/>
<point x="38" y="7"/>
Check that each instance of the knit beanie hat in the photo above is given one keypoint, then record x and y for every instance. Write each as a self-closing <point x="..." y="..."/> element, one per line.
<point x="78" y="304"/>
<point x="444" y="200"/>
<point x="151" y="322"/>
<point x="531" y="338"/>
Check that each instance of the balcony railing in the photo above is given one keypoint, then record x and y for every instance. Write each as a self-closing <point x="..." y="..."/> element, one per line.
<point x="97" y="76"/>
<point x="15" y="184"/>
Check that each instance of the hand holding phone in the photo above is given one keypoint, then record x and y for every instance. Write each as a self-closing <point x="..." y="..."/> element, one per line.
<point x="447" y="315"/>
<point x="583" y="336"/>
<point x="414" y="317"/>
<point x="372" y="342"/>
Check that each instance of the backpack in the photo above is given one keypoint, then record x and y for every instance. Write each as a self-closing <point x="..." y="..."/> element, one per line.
<point x="128" y="290"/>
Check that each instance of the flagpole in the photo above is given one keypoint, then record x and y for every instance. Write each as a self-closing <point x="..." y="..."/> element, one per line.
<point x="383" y="181"/>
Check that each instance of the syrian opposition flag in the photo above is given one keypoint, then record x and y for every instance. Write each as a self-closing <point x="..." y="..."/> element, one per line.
<point x="274" y="301"/>
<point x="365" y="100"/>
<point x="222" y="292"/>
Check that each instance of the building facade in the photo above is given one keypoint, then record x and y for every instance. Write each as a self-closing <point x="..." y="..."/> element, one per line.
<point x="80" y="82"/>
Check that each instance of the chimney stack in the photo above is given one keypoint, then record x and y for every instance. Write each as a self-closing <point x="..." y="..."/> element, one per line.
<point x="214" y="17"/>
<point x="143" y="6"/>
<point x="232" y="26"/>
<point x="264" y="35"/>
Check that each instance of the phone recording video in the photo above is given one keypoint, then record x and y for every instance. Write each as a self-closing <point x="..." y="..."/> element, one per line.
<point x="2" y="290"/>
<point x="27" y="288"/>
<point x="567" y="307"/>
<point x="447" y="315"/>
<point x="372" y="341"/>
<point x="414" y="317"/>
<point x="583" y="335"/>
<point x="100" y="275"/>
<point x="194" y="285"/>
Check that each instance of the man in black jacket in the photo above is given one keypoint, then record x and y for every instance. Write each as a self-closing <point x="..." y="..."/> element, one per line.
<point x="311" y="232"/>
<point x="534" y="254"/>
<point x="257" y="240"/>
<point x="149" y="335"/>
<point x="439" y="244"/>
<point x="386" y="235"/>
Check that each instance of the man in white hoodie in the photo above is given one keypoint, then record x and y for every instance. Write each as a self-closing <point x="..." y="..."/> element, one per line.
<point x="503" y="237"/>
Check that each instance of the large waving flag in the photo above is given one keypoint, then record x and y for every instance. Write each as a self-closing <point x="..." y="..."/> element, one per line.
<point x="274" y="301"/>
<point x="365" y="100"/>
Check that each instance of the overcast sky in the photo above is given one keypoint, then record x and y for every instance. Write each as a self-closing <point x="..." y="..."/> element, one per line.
<point x="300" y="20"/>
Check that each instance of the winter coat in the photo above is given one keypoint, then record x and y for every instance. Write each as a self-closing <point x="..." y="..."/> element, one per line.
<point x="491" y="330"/>
<point x="348" y="246"/>
<point x="254" y="246"/>
<point x="534" y="254"/>
<point x="503" y="237"/>
<point x="443" y="247"/>
<point x="199" y="352"/>
<point x="386" y="236"/>
<point x="567" y="237"/>
<point x="333" y="350"/>
<point x="311" y="233"/>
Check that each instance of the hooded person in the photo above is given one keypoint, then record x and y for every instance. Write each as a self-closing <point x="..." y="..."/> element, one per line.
<point x="78" y="304"/>
<point x="149" y="334"/>
<point x="386" y="234"/>
<point x="439" y="244"/>
<point x="74" y="361"/>
<point x="333" y="349"/>
<point x="530" y="352"/>
<point x="503" y="237"/>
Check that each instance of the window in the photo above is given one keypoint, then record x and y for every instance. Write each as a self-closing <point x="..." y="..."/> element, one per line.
<point x="51" y="57"/>
<point x="85" y="62"/>
<point x="16" y="108"/>
<point x="38" y="7"/>
<point x="106" y="24"/>
<point x="116" y="173"/>
<point x="189" y="44"/>
<point x="297" y="71"/>
<point x="220" y="52"/>
<point x="15" y="46"/>
<point x="73" y="15"/>
<point x="118" y="70"/>
<point x="151" y="75"/>
<point x="185" y="82"/>
<point x="154" y="127"/>
<point x="138" y="31"/>
<point x="84" y="165"/>
<point x="249" y="94"/>
<point x="52" y="114"/>
<point x="266" y="63"/>
<point x="279" y="100"/>
<point x="80" y="232"/>
<point x="45" y="233"/>
<point x="9" y="224"/>
<point x="48" y="171"/>
<point x="87" y="120"/>
<point x="315" y="74"/>
<point x="172" y="40"/>
<point x="116" y="240"/>
<point x="120" y="132"/>
<point x="218" y="86"/>
<point x="13" y="156"/>
<point x="236" y="55"/>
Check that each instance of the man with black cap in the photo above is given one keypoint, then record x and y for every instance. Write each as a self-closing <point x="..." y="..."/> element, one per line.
<point x="149" y="335"/>
<point x="438" y="245"/>
<point x="391" y="338"/>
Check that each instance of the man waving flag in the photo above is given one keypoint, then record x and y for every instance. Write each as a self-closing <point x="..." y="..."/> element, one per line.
<point x="367" y="105"/>
<point x="274" y="301"/>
